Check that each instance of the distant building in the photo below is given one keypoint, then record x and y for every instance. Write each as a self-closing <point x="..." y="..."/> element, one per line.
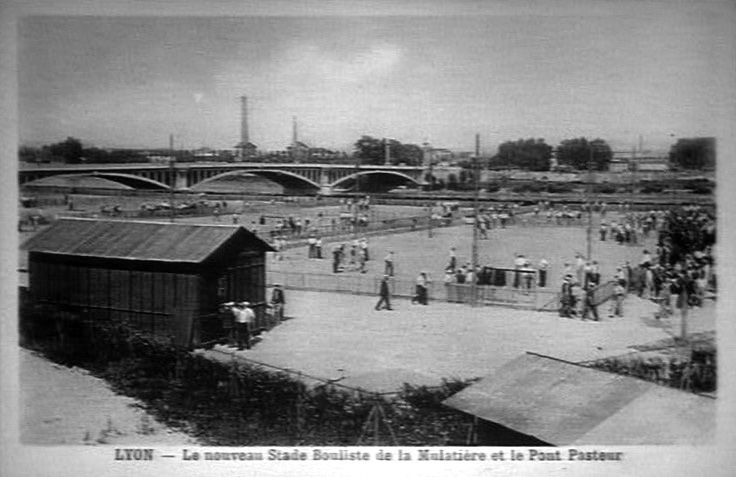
<point x="246" y="150"/>
<point x="204" y="154"/>
<point x="298" y="151"/>
<point x="618" y="165"/>
<point x="159" y="159"/>
<point x="651" y="163"/>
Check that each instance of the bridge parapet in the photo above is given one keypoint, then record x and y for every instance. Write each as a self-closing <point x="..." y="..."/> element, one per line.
<point x="183" y="175"/>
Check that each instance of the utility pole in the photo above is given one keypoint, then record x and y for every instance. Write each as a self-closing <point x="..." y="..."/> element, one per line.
<point x="387" y="152"/>
<point x="589" y="231"/>
<point x="683" y="318"/>
<point x="172" y="174"/>
<point x="474" y="253"/>
<point x="357" y="196"/>
<point x="429" y="207"/>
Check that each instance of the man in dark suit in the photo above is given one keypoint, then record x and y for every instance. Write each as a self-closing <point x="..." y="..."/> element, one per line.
<point x="385" y="295"/>
<point x="278" y="301"/>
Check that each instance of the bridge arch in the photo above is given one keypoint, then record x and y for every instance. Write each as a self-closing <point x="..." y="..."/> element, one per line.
<point x="391" y="178"/>
<point x="289" y="180"/>
<point x="129" y="181"/>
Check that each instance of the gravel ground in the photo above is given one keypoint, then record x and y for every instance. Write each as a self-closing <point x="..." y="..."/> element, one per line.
<point x="340" y="336"/>
<point x="414" y="251"/>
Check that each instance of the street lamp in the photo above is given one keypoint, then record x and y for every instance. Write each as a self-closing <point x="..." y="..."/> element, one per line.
<point x="474" y="254"/>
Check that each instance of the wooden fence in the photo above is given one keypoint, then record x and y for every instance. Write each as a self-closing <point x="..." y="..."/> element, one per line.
<point x="533" y="298"/>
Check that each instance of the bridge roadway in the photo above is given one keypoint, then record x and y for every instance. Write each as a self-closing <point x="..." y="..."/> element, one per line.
<point x="316" y="177"/>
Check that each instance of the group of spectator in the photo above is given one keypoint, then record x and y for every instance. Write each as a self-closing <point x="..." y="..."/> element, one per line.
<point x="525" y="276"/>
<point x="351" y="257"/>
<point x="677" y="275"/>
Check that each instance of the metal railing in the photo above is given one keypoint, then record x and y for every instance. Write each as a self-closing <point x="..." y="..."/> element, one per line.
<point x="534" y="298"/>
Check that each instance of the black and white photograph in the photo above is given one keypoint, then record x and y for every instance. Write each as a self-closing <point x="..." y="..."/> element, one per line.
<point x="422" y="237"/>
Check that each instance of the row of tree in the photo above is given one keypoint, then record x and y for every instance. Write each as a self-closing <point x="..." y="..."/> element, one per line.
<point x="369" y="150"/>
<point x="529" y="154"/>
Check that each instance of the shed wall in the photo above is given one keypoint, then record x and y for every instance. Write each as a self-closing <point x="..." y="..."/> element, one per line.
<point x="161" y="303"/>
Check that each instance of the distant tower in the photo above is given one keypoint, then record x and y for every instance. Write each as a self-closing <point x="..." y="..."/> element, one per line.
<point x="246" y="149"/>
<point x="244" y="137"/>
<point x="294" y="136"/>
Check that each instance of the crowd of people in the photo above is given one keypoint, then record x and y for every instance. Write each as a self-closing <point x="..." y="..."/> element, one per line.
<point x="678" y="274"/>
<point x="351" y="257"/>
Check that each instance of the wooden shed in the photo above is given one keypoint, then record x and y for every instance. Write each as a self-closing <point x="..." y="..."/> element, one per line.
<point x="536" y="400"/>
<point x="166" y="279"/>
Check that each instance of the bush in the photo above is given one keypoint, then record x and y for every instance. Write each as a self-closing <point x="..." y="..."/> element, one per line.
<point x="237" y="403"/>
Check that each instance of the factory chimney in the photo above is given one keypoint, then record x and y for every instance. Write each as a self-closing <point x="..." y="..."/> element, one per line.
<point x="244" y="139"/>
<point x="294" y="136"/>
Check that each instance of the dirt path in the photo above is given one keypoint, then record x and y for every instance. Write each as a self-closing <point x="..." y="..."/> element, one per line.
<point x="60" y="405"/>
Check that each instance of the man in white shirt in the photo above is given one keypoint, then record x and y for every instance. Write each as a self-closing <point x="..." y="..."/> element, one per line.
<point x="518" y="264"/>
<point x="543" y="266"/>
<point x="244" y="319"/>
<point x="389" y="264"/>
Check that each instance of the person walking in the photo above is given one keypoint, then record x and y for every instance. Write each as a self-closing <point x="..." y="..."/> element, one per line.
<point x="384" y="300"/>
<point x="278" y="301"/>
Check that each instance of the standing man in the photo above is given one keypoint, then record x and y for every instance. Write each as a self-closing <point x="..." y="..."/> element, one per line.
<point x="589" y="304"/>
<point x="388" y="268"/>
<point x="336" y="259"/>
<point x="385" y="295"/>
<point x="244" y="318"/>
<point x="543" y="266"/>
<point x="278" y="301"/>
<point x="312" y="242"/>
<point x="318" y="247"/>
<point x="566" y="297"/>
<point x="518" y="265"/>
<point x="579" y="268"/>
<point x="453" y="259"/>
<point x="618" y="299"/>
<point x="364" y="247"/>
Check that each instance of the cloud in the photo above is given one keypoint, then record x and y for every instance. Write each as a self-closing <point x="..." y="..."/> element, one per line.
<point x="331" y="91"/>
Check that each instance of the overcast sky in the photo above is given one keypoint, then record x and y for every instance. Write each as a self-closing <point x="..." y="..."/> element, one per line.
<point x="661" y="73"/>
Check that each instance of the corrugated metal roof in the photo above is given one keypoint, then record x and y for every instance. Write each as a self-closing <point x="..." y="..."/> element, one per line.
<point x="135" y="240"/>
<point x="562" y="403"/>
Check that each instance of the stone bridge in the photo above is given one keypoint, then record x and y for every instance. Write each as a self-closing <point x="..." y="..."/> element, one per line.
<point x="318" y="178"/>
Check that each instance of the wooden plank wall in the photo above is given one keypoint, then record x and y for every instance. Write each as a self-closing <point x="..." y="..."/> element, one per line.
<point x="161" y="303"/>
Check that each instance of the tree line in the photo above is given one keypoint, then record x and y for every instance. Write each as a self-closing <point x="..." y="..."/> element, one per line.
<point x="532" y="154"/>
